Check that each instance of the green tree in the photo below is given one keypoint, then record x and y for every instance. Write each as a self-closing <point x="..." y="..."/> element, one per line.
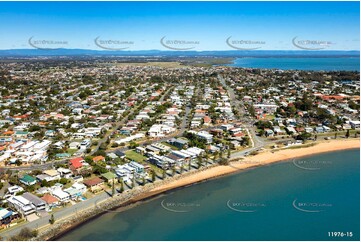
<point x="121" y="185"/>
<point x="153" y="175"/>
<point x="52" y="219"/>
<point x="113" y="188"/>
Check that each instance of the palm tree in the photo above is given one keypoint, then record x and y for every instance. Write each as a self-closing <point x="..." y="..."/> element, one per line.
<point x="221" y="154"/>
<point x="206" y="157"/>
<point x="143" y="181"/>
<point x="113" y="189"/>
<point x="214" y="157"/>
<point x="199" y="162"/>
<point x="133" y="181"/>
<point x="164" y="174"/>
<point x="121" y="185"/>
<point x="153" y="175"/>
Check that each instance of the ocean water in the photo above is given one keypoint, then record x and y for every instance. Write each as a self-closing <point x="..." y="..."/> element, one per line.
<point x="301" y="200"/>
<point x="312" y="64"/>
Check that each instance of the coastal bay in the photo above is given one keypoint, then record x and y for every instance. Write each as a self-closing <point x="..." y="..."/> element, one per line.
<point x="186" y="202"/>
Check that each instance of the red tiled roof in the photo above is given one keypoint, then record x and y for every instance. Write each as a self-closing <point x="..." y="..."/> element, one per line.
<point x="93" y="182"/>
<point x="98" y="158"/>
<point x="76" y="162"/>
<point x="49" y="199"/>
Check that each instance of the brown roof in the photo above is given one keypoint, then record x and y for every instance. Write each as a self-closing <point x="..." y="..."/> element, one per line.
<point x="93" y="182"/>
<point x="49" y="199"/>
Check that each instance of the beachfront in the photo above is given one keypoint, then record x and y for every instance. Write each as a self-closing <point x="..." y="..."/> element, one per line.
<point x="265" y="158"/>
<point x="150" y="190"/>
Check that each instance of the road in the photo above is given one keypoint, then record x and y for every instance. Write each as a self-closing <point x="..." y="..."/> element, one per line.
<point x="239" y="106"/>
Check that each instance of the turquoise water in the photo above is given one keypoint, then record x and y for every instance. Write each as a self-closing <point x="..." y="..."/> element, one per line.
<point x="262" y="205"/>
<point x="314" y="64"/>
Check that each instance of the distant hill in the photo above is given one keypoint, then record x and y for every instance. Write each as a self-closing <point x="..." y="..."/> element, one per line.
<point x="229" y="53"/>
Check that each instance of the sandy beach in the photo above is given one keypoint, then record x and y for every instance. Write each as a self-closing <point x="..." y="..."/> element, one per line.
<point x="205" y="173"/>
<point x="264" y="158"/>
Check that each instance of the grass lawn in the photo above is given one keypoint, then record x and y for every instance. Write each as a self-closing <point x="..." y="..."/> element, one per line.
<point x="71" y="151"/>
<point x="132" y="155"/>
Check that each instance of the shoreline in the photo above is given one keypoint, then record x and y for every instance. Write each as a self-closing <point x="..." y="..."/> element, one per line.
<point x="152" y="190"/>
<point x="259" y="160"/>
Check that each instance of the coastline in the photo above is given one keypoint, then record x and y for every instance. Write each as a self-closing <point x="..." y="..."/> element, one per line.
<point x="264" y="158"/>
<point x="152" y="190"/>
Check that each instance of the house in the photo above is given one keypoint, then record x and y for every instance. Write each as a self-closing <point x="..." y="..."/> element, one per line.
<point x="74" y="145"/>
<point x="28" y="180"/>
<point x="355" y="124"/>
<point x="85" y="144"/>
<point x="98" y="158"/>
<point x="206" y="136"/>
<point x="159" y="161"/>
<point x="74" y="193"/>
<point x="207" y="121"/>
<point x="52" y="174"/>
<point x="13" y="190"/>
<point x="179" y="143"/>
<point x="278" y="131"/>
<point x="80" y="187"/>
<point x="139" y="168"/>
<point x="7" y="216"/>
<point x="120" y="154"/>
<point x="110" y="177"/>
<point x="50" y="201"/>
<point x="309" y="130"/>
<point x="291" y="130"/>
<point x="21" y="204"/>
<point x="268" y="132"/>
<point x="42" y="146"/>
<point x="66" y="173"/>
<point x="61" y="195"/>
<point x="95" y="184"/>
<point x="160" y="130"/>
<point x="319" y="129"/>
<point x="38" y="203"/>
<point x="62" y="155"/>
<point x="140" y="150"/>
<point x="226" y="127"/>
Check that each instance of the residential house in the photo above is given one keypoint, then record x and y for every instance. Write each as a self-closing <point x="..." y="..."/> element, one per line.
<point x="21" y="204"/>
<point x="94" y="184"/>
<point x="28" y="180"/>
<point x="38" y="203"/>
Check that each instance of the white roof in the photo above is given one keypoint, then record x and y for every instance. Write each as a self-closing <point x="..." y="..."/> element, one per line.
<point x="60" y="194"/>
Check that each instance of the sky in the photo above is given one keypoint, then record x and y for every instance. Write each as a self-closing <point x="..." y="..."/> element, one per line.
<point x="180" y="25"/>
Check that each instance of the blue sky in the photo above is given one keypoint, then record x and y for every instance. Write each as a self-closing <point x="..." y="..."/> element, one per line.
<point x="207" y="25"/>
